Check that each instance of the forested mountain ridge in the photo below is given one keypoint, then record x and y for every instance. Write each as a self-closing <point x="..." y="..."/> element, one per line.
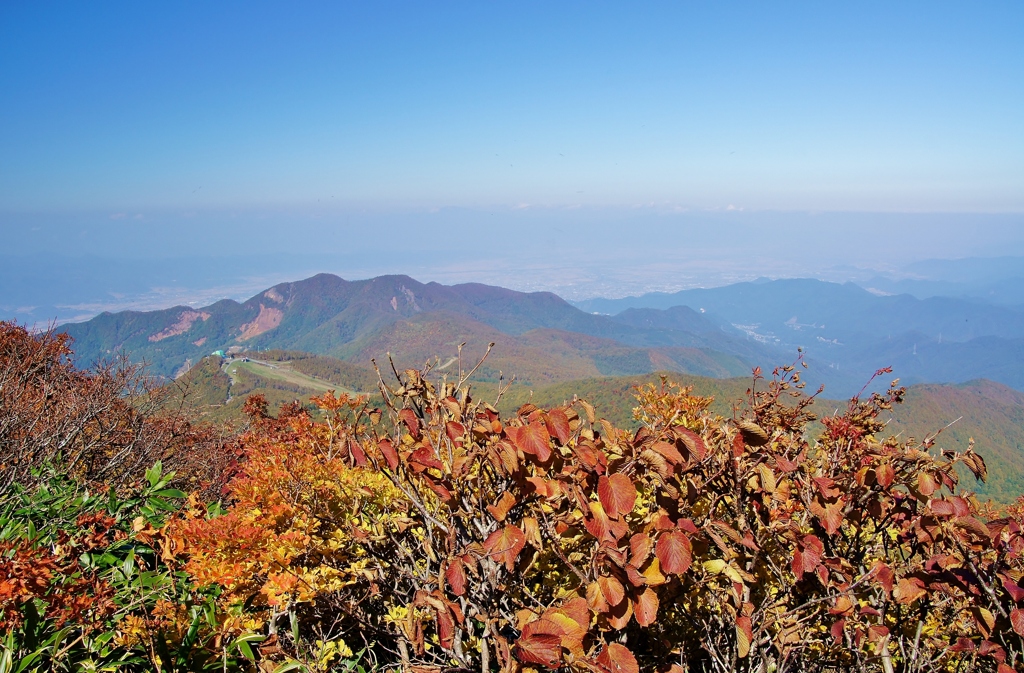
<point x="541" y="335"/>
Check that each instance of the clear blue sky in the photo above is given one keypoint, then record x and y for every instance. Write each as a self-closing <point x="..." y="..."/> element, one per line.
<point x="110" y="108"/>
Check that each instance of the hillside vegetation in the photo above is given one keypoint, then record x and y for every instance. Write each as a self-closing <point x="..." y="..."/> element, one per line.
<point x="988" y="412"/>
<point x="424" y="530"/>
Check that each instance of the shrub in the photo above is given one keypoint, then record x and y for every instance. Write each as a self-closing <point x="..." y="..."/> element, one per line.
<point x="438" y="536"/>
<point x="105" y="426"/>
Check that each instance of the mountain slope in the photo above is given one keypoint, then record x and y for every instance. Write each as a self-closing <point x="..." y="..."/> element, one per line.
<point x="362" y="319"/>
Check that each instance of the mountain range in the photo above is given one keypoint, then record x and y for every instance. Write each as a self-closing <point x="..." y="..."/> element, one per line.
<point x="849" y="329"/>
<point x="541" y="338"/>
<point x="844" y="331"/>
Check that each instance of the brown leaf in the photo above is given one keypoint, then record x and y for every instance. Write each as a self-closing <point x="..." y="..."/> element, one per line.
<point x="504" y="545"/>
<point x="615" y="658"/>
<point x="503" y="456"/>
<point x="972" y="525"/>
<point x="985" y="620"/>
<point x="532" y="439"/>
<point x="617" y="494"/>
<point x="645" y="608"/>
<point x="753" y="434"/>
<point x="531" y="528"/>
<point x="588" y="408"/>
<point x="675" y="552"/>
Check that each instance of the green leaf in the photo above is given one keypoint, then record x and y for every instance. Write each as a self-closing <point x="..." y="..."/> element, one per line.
<point x="291" y="666"/>
<point x="153" y="474"/>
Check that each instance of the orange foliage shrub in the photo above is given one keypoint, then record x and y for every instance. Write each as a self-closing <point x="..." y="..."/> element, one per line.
<point x="440" y="536"/>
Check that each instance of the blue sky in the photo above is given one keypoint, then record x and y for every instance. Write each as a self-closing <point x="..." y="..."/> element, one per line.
<point x="585" y="148"/>
<point x="134" y="107"/>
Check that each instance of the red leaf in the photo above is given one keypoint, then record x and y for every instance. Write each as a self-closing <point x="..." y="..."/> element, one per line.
<point x="744" y="636"/>
<point x="358" y="455"/>
<point x="558" y="425"/>
<point x="445" y="629"/>
<point x="640" y="547"/>
<point x="645" y="608"/>
<point x="675" y="552"/>
<point x="440" y="489"/>
<point x="830" y="516"/>
<point x="884" y="576"/>
<point x="612" y="590"/>
<point x="837" y="631"/>
<point x="455" y="431"/>
<point x="693" y="443"/>
<point x="532" y="439"/>
<point x="408" y="417"/>
<point x="941" y="507"/>
<point x="598" y="525"/>
<point x="909" y="589"/>
<point x="616" y="658"/>
<point x="499" y="510"/>
<point x="738" y="446"/>
<point x="390" y="455"/>
<point x="994" y="650"/>
<point x="504" y="545"/>
<point x="808" y="557"/>
<point x="425" y="458"/>
<point x="544" y="649"/>
<point x="1015" y="591"/>
<point x="617" y="494"/>
<point x="884" y="475"/>
<point x="669" y="452"/>
<point x="456" y="577"/>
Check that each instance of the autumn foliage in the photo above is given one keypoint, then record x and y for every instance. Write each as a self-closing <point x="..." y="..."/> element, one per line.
<point x="430" y="534"/>
<point x="436" y="535"/>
